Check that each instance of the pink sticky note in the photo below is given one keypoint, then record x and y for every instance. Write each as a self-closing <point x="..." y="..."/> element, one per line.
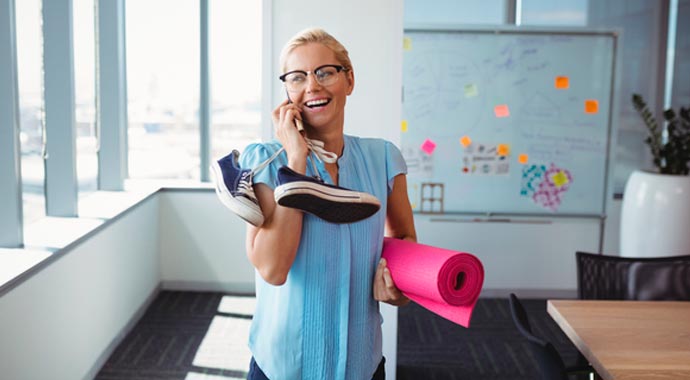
<point x="428" y="146"/>
<point x="501" y="110"/>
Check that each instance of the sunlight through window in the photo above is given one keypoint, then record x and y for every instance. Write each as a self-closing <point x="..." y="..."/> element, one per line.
<point x="225" y="345"/>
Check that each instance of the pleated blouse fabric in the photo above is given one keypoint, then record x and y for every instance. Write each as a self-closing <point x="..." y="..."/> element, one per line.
<point x="324" y="323"/>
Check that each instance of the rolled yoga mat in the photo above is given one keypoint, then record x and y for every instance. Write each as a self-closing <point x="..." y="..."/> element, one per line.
<point x="445" y="282"/>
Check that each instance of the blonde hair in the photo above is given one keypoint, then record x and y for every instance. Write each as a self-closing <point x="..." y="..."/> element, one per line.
<point x="316" y="35"/>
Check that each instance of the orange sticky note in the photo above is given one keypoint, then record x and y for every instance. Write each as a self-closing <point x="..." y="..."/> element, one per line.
<point x="503" y="149"/>
<point x="562" y="83"/>
<point x="523" y="158"/>
<point x="403" y="126"/>
<point x="591" y="106"/>
<point x="501" y="110"/>
<point x="465" y="141"/>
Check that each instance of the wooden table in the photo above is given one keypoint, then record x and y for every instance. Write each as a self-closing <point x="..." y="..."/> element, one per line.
<point x="629" y="340"/>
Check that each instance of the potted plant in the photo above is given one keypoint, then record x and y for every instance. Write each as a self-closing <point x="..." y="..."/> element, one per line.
<point x="672" y="152"/>
<point x="655" y="219"/>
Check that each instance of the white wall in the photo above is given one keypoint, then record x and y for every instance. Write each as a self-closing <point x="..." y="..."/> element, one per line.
<point x="202" y="244"/>
<point x="530" y="256"/>
<point x="58" y="323"/>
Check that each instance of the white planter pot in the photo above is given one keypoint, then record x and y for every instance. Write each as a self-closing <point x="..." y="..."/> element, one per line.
<point x="655" y="219"/>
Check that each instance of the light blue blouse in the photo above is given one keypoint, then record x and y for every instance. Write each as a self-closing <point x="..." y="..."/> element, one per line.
<point x="324" y="323"/>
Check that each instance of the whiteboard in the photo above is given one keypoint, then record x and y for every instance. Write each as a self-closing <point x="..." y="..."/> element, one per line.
<point x="507" y="121"/>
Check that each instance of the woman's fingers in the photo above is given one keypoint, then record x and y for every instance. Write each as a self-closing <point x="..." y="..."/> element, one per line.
<point x="379" y="282"/>
<point x="286" y="112"/>
<point x="292" y="140"/>
<point x="384" y="287"/>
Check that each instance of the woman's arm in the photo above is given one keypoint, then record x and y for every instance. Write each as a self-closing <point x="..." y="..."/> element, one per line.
<point x="400" y="225"/>
<point x="272" y="247"/>
<point x="399" y="219"/>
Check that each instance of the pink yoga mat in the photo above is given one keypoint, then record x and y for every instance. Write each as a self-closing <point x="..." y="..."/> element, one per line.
<point x="445" y="282"/>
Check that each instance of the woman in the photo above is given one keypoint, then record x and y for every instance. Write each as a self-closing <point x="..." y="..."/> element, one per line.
<point x="319" y="283"/>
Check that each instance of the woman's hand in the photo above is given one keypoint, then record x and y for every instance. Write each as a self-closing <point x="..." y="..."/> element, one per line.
<point x="384" y="287"/>
<point x="292" y="140"/>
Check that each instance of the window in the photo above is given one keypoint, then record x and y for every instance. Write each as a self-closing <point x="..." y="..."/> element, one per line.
<point x="680" y="90"/>
<point x="548" y="12"/>
<point x="163" y="88"/>
<point x="235" y="60"/>
<point x="85" y="94"/>
<point x="453" y="12"/>
<point x="643" y="27"/>
<point x="30" y="79"/>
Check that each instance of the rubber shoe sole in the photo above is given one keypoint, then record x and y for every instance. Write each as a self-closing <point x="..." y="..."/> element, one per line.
<point x="331" y="204"/>
<point x="243" y="207"/>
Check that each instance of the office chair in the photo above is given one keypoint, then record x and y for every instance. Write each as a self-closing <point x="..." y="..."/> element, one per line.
<point x="551" y="366"/>
<point x="603" y="277"/>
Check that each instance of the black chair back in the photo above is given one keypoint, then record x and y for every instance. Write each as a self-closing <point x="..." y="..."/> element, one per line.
<point x="551" y="366"/>
<point x="604" y="277"/>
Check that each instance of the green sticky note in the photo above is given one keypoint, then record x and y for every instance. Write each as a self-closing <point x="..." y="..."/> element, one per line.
<point x="471" y="90"/>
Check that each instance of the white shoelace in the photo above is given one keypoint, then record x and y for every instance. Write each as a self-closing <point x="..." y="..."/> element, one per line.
<point x="245" y="187"/>
<point x="316" y="148"/>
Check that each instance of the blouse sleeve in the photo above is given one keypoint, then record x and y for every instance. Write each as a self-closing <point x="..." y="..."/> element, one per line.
<point x="254" y="155"/>
<point x="395" y="164"/>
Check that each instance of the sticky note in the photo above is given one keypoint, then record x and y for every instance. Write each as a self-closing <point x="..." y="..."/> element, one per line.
<point x="591" y="106"/>
<point x="403" y="126"/>
<point x="465" y="141"/>
<point x="501" y="110"/>
<point x="471" y="90"/>
<point x="407" y="43"/>
<point x="562" y="83"/>
<point x="523" y="158"/>
<point x="503" y="149"/>
<point x="428" y="146"/>
<point x="560" y="178"/>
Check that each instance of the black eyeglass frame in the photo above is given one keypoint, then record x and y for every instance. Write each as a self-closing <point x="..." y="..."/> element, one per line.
<point x="338" y="68"/>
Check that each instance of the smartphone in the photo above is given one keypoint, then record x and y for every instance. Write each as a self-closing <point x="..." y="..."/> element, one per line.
<point x="298" y="122"/>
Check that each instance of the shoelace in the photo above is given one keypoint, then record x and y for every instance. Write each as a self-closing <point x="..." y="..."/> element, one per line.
<point x="316" y="148"/>
<point x="244" y="187"/>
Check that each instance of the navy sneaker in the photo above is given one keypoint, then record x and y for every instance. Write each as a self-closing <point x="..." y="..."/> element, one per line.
<point x="331" y="203"/>
<point x="234" y="188"/>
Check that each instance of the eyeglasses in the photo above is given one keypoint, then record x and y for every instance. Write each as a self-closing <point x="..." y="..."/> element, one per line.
<point x="325" y="75"/>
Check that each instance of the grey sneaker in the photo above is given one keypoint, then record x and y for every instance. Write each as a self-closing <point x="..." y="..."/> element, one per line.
<point x="234" y="188"/>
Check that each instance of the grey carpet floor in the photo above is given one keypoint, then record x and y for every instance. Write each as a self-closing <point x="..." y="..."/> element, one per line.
<point x="202" y="336"/>
<point x="430" y="347"/>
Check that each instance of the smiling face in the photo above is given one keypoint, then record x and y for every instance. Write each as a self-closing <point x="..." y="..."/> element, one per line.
<point x="323" y="106"/>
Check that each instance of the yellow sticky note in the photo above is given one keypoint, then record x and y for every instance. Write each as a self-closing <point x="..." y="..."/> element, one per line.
<point x="523" y="158"/>
<point x="560" y="179"/>
<point x="403" y="126"/>
<point x="503" y="149"/>
<point x="471" y="90"/>
<point x="501" y="110"/>
<point x="591" y="106"/>
<point x="465" y="141"/>
<point x="562" y="83"/>
<point x="407" y="43"/>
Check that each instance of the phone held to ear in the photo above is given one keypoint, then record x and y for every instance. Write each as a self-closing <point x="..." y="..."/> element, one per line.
<point x="298" y="122"/>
